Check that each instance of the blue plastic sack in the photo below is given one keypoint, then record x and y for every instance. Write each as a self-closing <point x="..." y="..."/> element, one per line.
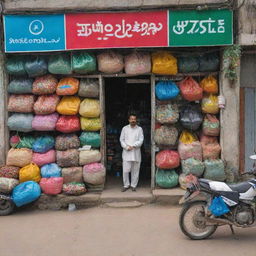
<point x="218" y="207"/>
<point x="166" y="90"/>
<point x="43" y="144"/>
<point x="50" y="170"/>
<point x="25" y="193"/>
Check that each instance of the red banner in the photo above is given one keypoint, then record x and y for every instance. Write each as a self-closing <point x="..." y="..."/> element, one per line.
<point x="116" y="30"/>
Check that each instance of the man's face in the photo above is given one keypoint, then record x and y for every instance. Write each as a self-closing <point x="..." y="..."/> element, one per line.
<point x="132" y="120"/>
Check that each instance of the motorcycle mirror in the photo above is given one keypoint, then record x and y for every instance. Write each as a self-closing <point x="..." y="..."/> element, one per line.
<point x="253" y="157"/>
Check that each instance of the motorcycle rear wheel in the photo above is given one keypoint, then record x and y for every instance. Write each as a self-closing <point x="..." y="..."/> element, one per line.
<point x="6" y="207"/>
<point x="192" y="222"/>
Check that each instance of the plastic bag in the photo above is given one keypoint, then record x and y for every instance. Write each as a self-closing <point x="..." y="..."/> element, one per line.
<point x="166" y="135"/>
<point x="46" y="104"/>
<point x="26" y="142"/>
<point x="30" y="172"/>
<point x="41" y="159"/>
<point x="190" y="89"/>
<point x="218" y="206"/>
<point x="89" y="88"/>
<point x="67" y="141"/>
<point x="51" y="186"/>
<point x="211" y="125"/>
<point x="193" y="166"/>
<point x="74" y="189"/>
<point x="45" y="85"/>
<point x="69" y="105"/>
<point x="20" y="122"/>
<point x="7" y="185"/>
<point x="15" y="65"/>
<point x="164" y="63"/>
<point x="68" y="124"/>
<point x="90" y="108"/>
<point x="208" y="139"/>
<point x="67" y="86"/>
<point x="110" y="62"/>
<point x="191" y="150"/>
<point x="89" y="156"/>
<point x="68" y="158"/>
<point x="191" y="117"/>
<point x="72" y="174"/>
<point x="19" y="157"/>
<point x="167" y="159"/>
<point x="50" y="170"/>
<point x="209" y="62"/>
<point x="45" y="122"/>
<point x="185" y="180"/>
<point x="21" y="103"/>
<point x="167" y="114"/>
<point x="43" y="144"/>
<point x="90" y="124"/>
<point x="167" y="178"/>
<point x="137" y="63"/>
<point x="60" y="64"/>
<point x="188" y="64"/>
<point x="25" y="193"/>
<point x="20" y="86"/>
<point x="83" y="63"/>
<point x="187" y="137"/>
<point x="211" y="150"/>
<point x="36" y="66"/>
<point x="166" y="90"/>
<point x="214" y="170"/>
<point x="210" y="104"/>
<point x="8" y="171"/>
<point x="210" y="85"/>
<point x="90" y="138"/>
<point x="94" y="173"/>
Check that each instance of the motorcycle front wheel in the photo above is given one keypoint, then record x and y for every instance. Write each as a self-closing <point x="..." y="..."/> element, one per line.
<point x="192" y="221"/>
<point x="6" y="207"/>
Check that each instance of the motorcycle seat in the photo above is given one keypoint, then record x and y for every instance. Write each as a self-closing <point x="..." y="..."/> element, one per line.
<point x="240" y="187"/>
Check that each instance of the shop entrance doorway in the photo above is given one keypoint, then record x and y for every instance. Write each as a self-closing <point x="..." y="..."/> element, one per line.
<point x="122" y="97"/>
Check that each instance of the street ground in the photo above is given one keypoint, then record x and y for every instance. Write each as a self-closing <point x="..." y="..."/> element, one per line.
<point x="150" y="230"/>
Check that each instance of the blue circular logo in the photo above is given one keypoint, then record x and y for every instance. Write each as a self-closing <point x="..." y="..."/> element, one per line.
<point x="36" y="27"/>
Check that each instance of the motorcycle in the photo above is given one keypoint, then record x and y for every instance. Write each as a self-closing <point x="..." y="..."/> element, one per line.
<point x="209" y="204"/>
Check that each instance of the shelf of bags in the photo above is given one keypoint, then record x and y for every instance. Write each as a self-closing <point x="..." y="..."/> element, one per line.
<point x="182" y="75"/>
<point x="163" y="147"/>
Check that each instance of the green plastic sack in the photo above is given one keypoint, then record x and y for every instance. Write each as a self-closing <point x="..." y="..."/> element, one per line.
<point x="167" y="178"/>
<point x="26" y="142"/>
<point x="90" y="138"/>
<point x="15" y="65"/>
<point x="209" y="62"/>
<point x="83" y="63"/>
<point x="20" y="86"/>
<point x="60" y="64"/>
<point x="214" y="170"/>
<point x="36" y="66"/>
<point x="188" y="64"/>
<point x="192" y="166"/>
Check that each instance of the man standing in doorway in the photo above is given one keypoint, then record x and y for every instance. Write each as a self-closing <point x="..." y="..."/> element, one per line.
<point x="131" y="140"/>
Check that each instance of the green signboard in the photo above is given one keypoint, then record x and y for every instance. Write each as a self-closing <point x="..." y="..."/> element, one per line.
<point x="200" y="28"/>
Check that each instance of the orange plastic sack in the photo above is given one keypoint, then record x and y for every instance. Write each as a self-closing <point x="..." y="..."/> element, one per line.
<point x="69" y="105"/>
<point x="30" y="172"/>
<point x="210" y="104"/>
<point x="210" y="85"/>
<point x="164" y="63"/>
<point x="68" y="86"/>
<point x="190" y="89"/>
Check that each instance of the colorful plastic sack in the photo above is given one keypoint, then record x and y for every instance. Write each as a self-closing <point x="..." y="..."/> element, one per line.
<point x="45" y="122"/>
<point x="72" y="174"/>
<point x="67" y="141"/>
<point x="68" y="158"/>
<point x="188" y="64"/>
<point x="211" y="151"/>
<point x="208" y="139"/>
<point x="90" y="138"/>
<point x="46" y="84"/>
<point x="83" y="63"/>
<point x="20" y="86"/>
<point x="26" y="142"/>
<point x="50" y="170"/>
<point x="185" y="180"/>
<point x="164" y="63"/>
<point x="137" y="63"/>
<point x="218" y="207"/>
<point x="60" y="64"/>
<point x="167" y="159"/>
<point x="110" y="62"/>
<point x="74" y="189"/>
<point x="21" y="103"/>
<point x="190" y="150"/>
<point x="36" y="66"/>
<point x="167" y="178"/>
<point x="69" y="105"/>
<point x="43" y="144"/>
<point x="41" y="159"/>
<point x="68" y="124"/>
<point x="30" y="172"/>
<point x="46" y="104"/>
<point x="191" y="117"/>
<point x="8" y="171"/>
<point x="209" y="62"/>
<point x="90" y="124"/>
<point x="19" y="157"/>
<point x="166" y="135"/>
<point x="67" y="86"/>
<point x="89" y="88"/>
<point x="90" y="108"/>
<point x="210" y="85"/>
<point x="187" y="137"/>
<point x="193" y="166"/>
<point x="7" y="185"/>
<point x="15" y="65"/>
<point x="210" y="104"/>
<point x="94" y="173"/>
<point x="190" y="89"/>
<point x="89" y="156"/>
<point x="51" y="186"/>
<point x="25" y="193"/>
<point x="167" y="114"/>
<point x="214" y="170"/>
<point x="166" y="90"/>
<point x="20" y="122"/>
<point x="211" y="125"/>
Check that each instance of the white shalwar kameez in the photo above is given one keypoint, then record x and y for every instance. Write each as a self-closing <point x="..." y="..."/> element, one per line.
<point x="131" y="136"/>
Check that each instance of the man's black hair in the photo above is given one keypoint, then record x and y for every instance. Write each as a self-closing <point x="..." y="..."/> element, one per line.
<point x="132" y="114"/>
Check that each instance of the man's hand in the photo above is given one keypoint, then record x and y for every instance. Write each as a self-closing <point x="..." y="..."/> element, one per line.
<point x="129" y="148"/>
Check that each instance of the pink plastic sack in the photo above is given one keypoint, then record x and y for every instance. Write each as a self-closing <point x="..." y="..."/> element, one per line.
<point x="94" y="173"/>
<point x="51" y="186"/>
<point x="167" y="159"/>
<point x="192" y="150"/>
<point x="41" y="159"/>
<point x="45" y="85"/>
<point x="46" y="104"/>
<point x="21" y="103"/>
<point x="110" y="62"/>
<point x="45" y="122"/>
